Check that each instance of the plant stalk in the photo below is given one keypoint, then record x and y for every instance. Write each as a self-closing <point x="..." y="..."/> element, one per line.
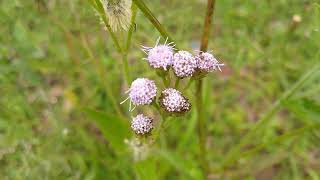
<point x="147" y="12"/>
<point x="125" y="61"/>
<point x="199" y="93"/>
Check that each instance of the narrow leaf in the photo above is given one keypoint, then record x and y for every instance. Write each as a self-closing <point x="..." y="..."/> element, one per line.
<point x="114" y="129"/>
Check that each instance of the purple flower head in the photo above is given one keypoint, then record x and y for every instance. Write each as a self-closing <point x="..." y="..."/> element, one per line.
<point x="207" y="62"/>
<point x="161" y="55"/>
<point x="142" y="92"/>
<point x="173" y="101"/>
<point x="142" y="124"/>
<point x="184" y="64"/>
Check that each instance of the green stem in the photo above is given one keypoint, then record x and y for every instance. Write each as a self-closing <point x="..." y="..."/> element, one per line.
<point x="199" y="93"/>
<point x="125" y="61"/>
<point x="189" y="84"/>
<point x="176" y="84"/>
<point x="165" y="81"/>
<point x="146" y="11"/>
<point x="201" y="130"/>
<point x="130" y="32"/>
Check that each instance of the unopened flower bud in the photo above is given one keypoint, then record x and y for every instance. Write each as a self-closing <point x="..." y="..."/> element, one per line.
<point x="174" y="102"/>
<point x="142" y="125"/>
<point x="206" y="62"/>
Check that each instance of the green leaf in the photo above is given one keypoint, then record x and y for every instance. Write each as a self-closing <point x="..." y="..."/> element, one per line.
<point x="184" y="166"/>
<point x="305" y="109"/>
<point x="114" y="128"/>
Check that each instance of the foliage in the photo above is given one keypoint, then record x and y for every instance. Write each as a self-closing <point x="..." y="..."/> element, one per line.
<point x="57" y="64"/>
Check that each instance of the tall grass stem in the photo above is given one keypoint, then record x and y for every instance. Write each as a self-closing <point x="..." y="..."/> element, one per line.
<point x="199" y="93"/>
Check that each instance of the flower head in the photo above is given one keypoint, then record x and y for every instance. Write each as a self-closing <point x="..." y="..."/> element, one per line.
<point x="184" y="64"/>
<point x="142" y="92"/>
<point x="142" y="124"/>
<point x="207" y="62"/>
<point x="173" y="101"/>
<point x="161" y="55"/>
<point x="119" y="13"/>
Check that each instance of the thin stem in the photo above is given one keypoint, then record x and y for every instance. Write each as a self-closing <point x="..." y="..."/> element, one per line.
<point x="201" y="130"/>
<point x="132" y="27"/>
<point x="176" y="84"/>
<point x="165" y="81"/>
<point x="199" y="93"/>
<point x="125" y="61"/>
<point x="189" y="84"/>
<point x="207" y="25"/>
<point x="146" y="11"/>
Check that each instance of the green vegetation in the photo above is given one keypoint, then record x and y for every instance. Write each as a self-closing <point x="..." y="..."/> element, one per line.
<point x="61" y="76"/>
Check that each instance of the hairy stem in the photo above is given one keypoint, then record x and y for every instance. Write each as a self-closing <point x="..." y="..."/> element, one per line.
<point x="199" y="93"/>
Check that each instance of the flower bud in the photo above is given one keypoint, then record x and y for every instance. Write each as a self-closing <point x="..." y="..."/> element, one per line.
<point x="173" y="102"/>
<point x="142" y="125"/>
<point x="206" y="63"/>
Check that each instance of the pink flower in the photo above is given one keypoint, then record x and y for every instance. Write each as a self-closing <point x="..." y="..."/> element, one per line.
<point x="184" y="64"/>
<point x="142" y="124"/>
<point x="160" y="56"/>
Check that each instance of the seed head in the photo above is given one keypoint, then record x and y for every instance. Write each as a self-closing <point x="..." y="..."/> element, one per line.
<point x="173" y="101"/>
<point x="207" y="62"/>
<point x="160" y="56"/>
<point x="119" y="13"/>
<point x="184" y="64"/>
<point x="142" y="125"/>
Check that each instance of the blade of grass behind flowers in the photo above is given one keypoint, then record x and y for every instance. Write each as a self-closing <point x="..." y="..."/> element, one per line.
<point x="235" y="152"/>
<point x="282" y="138"/>
<point x="103" y="75"/>
<point x="147" y="12"/>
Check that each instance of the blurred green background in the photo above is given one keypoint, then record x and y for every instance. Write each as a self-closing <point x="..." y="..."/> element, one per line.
<point x="56" y="61"/>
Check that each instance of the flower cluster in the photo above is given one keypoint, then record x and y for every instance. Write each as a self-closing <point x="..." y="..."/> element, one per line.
<point x="143" y="91"/>
<point x="173" y="101"/>
<point x="142" y="124"/>
<point x="184" y="64"/>
<point x="160" y="56"/>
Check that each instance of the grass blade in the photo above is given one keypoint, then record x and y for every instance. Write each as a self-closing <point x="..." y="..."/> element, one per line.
<point x="236" y="151"/>
<point x="114" y="129"/>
